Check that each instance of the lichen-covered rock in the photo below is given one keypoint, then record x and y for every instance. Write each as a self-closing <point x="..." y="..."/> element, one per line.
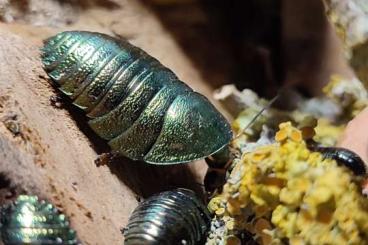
<point x="283" y="192"/>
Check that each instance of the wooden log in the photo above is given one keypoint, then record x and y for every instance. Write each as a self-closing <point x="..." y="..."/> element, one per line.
<point x="50" y="152"/>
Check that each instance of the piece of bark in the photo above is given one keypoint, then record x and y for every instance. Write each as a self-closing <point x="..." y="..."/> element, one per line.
<point x="49" y="156"/>
<point x="50" y="152"/>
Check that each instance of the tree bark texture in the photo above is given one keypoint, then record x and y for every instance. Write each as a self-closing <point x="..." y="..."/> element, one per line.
<point x="50" y="151"/>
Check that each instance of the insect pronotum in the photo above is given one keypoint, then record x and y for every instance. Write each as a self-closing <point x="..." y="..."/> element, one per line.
<point x="133" y="101"/>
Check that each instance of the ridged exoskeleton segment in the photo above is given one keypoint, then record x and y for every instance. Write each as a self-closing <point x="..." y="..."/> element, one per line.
<point x="30" y="221"/>
<point x="138" y="105"/>
<point x="171" y="217"/>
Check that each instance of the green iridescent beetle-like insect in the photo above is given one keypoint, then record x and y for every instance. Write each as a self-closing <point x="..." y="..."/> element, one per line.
<point x="30" y="221"/>
<point x="171" y="217"/>
<point x="133" y="101"/>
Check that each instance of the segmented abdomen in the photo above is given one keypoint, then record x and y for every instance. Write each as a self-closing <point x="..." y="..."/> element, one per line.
<point x="171" y="217"/>
<point x="29" y="221"/>
<point x="134" y="102"/>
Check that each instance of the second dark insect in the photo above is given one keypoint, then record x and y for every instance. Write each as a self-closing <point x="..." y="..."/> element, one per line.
<point x="343" y="157"/>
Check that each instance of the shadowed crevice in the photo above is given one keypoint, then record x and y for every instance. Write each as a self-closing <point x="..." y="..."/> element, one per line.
<point x="147" y="179"/>
<point x="236" y="42"/>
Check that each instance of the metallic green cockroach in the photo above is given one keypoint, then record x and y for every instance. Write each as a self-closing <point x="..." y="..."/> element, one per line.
<point x="30" y="221"/>
<point x="171" y="217"/>
<point x="134" y="102"/>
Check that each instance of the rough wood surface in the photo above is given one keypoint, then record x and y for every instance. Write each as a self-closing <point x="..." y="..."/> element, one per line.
<point x="50" y="151"/>
<point x="43" y="152"/>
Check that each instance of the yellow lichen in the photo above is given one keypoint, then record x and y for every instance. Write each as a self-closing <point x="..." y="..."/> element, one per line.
<point x="327" y="133"/>
<point x="214" y="204"/>
<point x="294" y="195"/>
<point x="230" y="225"/>
<point x="220" y="212"/>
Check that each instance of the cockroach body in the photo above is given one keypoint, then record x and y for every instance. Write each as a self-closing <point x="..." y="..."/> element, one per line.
<point x="343" y="157"/>
<point x="171" y="217"/>
<point x="135" y="103"/>
<point x="30" y="221"/>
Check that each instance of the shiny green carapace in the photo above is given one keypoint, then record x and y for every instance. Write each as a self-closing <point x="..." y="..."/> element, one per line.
<point x="30" y="221"/>
<point x="138" y="105"/>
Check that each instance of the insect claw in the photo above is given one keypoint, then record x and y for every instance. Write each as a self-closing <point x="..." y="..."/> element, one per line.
<point x="105" y="158"/>
<point x="56" y="101"/>
<point x="123" y="230"/>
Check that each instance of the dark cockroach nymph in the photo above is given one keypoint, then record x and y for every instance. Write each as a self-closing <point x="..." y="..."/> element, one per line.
<point x="133" y="101"/>
<point x="30" y="221"/>
<point x="171" y="217"/>
<point x="343" y="157"/>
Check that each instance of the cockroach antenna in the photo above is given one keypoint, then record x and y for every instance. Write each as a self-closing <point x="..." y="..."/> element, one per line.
<point x="221" y="161"/>
<point x="269" y="104"/>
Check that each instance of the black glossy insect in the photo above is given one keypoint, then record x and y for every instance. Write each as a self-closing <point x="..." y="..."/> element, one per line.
<point x="138" y="105"/>
<point x="343" y="157"/>
<point x="171" y="217"/>
<point x="30" y="221"/>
